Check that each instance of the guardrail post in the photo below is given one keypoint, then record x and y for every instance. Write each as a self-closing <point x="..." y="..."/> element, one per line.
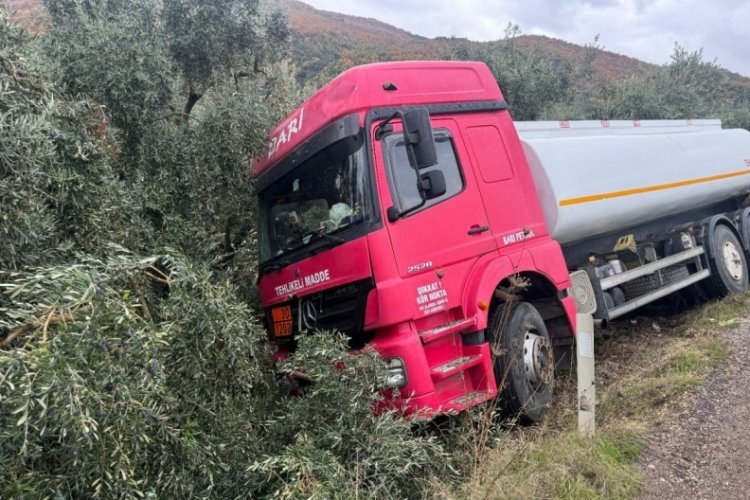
<point x="585" y="365"/>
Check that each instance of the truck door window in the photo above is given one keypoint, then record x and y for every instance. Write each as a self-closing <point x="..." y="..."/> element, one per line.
<point x="403" y="179"/>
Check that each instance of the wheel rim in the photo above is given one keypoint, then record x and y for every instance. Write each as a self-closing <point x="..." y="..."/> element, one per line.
<point x="732" y="260"/>
<point x="537" y="359"/>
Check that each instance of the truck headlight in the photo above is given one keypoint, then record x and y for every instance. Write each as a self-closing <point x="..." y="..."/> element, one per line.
<point x="396" y="373"/>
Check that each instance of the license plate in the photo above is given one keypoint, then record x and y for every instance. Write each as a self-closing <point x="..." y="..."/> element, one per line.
<point x="282" y="321"/>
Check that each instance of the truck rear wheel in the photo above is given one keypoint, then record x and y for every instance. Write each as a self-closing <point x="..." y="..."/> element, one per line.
<point x="728" y="266"/>
<point x="523" y="361"/>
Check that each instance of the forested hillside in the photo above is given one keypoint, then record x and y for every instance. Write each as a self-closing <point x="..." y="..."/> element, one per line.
<point x="542" y="78"/>
<point x="132" y="360"/>
<point x="321" y="38"/>
<point x="562" y="80"/>
<point x="324" y="38"/>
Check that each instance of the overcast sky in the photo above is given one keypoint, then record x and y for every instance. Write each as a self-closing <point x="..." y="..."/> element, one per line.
<point x="644" y="29"/>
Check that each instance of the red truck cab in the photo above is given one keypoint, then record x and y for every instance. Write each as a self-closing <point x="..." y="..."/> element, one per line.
<point x="444" y="265"/>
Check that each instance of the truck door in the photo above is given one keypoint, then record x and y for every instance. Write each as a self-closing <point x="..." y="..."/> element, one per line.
<point x="445" y="231"/>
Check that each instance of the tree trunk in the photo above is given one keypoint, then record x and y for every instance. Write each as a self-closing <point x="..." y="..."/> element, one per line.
<point x="193" y="98"/>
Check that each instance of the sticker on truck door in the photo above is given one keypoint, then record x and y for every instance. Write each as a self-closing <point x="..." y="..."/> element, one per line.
<point x="517" y="237"/>
<point x="432" y="298"/>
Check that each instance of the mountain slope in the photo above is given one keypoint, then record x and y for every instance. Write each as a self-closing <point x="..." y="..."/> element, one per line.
<point x="29" y="14"/>
<point x="333" y="41"/>
<point x="307" y="20"/>
<point x="342" y="35"/>
<point x="325" y="43"/>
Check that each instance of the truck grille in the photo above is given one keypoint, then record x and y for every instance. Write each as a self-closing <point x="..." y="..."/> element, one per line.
<point x="341" y="309"/>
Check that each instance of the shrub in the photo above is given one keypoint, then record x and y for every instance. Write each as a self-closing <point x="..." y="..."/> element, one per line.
<point x="133" y="377"/>
<point x="57" y="191"/>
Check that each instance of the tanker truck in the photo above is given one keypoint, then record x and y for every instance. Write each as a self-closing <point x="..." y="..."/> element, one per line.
<point x="402" y="206"/>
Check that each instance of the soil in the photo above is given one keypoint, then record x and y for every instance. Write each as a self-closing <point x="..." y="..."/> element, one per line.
<point x="705" y="451"/>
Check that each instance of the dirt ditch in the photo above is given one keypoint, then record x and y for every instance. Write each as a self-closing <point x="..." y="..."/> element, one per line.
<point x="704" y="452"/>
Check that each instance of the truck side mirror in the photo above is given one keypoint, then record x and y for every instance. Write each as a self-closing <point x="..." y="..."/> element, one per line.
<point x="432" y="184"/>
<point x="420" y="143"/>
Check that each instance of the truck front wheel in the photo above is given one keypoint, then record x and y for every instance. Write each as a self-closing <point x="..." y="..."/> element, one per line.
<point x="523" y="361"/>
<point x="728" y="266"/>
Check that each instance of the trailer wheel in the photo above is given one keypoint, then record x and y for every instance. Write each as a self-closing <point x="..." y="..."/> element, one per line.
<point x="523" y="361"/>
<point x="728" y="266"/>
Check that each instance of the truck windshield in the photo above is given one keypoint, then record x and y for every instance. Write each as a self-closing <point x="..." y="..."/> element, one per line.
<point x="317" y="201"/>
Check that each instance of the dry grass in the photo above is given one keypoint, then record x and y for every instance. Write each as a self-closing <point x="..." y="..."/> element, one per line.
<point x="647" y="367"/>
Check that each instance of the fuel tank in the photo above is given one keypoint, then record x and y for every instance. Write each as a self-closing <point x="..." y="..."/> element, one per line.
<point x="594" y="177"/>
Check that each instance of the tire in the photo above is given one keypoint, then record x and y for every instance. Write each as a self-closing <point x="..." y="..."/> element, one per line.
<point x="728" y="264"/>
<point x="523" y="362"/>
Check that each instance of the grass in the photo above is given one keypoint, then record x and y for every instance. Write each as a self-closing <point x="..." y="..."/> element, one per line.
<point x="562" y="464"/>
<point x="647" y="367"/>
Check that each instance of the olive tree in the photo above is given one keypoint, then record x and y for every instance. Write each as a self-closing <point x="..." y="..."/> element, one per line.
<point x="150" y="62"/>
<point x="686" y="87"/>
<point x="530" y="79"/>
<point x="58" y="193"/>
<point x="209" y="41"/>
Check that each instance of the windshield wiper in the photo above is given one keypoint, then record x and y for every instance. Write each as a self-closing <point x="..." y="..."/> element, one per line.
<point x="313" y="235"/>
<point x="273" y="266"/>
<point x="305" y="239"/>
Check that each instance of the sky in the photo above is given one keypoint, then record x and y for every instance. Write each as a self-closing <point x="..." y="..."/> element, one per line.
<point x="644" y="29"/>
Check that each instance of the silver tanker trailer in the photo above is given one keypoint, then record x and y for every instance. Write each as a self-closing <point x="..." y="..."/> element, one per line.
<point x="643" y="208"/>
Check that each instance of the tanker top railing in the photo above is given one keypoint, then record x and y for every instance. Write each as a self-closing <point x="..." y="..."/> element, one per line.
<point x="573" y="128"/>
